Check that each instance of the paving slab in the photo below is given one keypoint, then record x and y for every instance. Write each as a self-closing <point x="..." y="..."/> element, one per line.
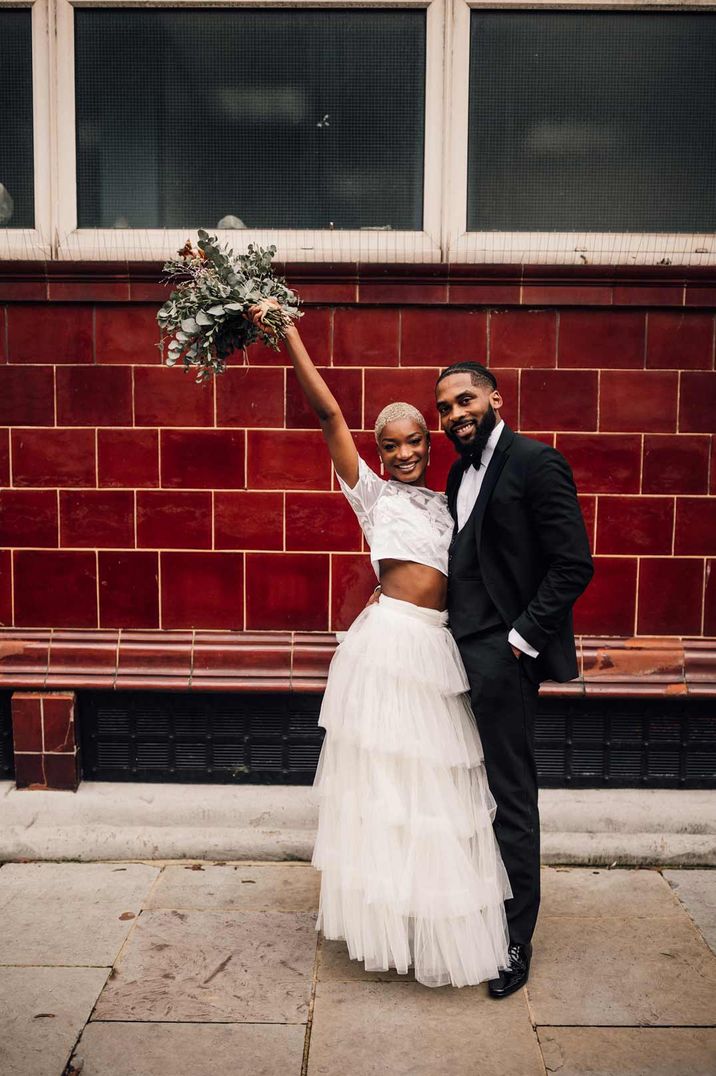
<point x="697" y="892"/>
<point x="222" y="966"/>
<point x="593" y="891"/>
<point x="42" y="1011"/>
<point x="621" y="972"/>
<point x="281" y="887"/>
<point x="177" y="1049"/>
<point x="405" y="1029"/>
<point x="629" y="1051"/>
<point x="69" y="913"/>
<point x="334" y="965"/>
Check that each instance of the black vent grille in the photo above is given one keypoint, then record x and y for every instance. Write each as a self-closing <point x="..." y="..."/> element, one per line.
<point x="7" y="759"/>
<point x="580" y="743"/>
<point x="129" y="736"/>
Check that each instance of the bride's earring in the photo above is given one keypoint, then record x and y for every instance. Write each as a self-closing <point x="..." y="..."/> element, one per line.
<point x="382" y="468"/>
<point x="428" y="460"/>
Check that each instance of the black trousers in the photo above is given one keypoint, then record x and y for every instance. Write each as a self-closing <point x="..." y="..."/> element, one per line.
<point x="504" y="700"/>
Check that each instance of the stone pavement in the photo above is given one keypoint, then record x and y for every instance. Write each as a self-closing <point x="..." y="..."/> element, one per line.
<point x="161" y="969"/>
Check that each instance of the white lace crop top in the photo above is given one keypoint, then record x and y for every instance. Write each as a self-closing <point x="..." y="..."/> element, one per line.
<point x="400" y="522"/>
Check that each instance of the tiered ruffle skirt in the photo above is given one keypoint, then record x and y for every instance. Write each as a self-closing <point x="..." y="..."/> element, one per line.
<point x="411" y="875"/>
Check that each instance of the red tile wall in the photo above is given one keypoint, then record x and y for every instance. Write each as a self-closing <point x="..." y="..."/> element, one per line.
<point x="132" y="497"/>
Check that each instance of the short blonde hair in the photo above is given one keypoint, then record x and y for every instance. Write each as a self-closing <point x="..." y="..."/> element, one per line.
<point x="394" y="413"/>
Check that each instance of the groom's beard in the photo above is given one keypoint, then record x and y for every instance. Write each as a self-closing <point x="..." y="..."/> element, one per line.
<point x="472" y="452"/>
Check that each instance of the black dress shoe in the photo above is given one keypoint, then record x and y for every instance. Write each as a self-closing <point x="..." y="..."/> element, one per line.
<point x="516" y="975"/>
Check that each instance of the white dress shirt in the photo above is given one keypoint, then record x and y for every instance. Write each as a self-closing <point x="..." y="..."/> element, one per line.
<point x="467" y="494"/>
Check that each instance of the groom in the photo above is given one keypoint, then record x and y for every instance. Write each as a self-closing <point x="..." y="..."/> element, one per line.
<point x="518" y="561"/>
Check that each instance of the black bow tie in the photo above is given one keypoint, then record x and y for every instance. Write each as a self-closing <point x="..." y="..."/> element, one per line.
<point x="468" y="461"/>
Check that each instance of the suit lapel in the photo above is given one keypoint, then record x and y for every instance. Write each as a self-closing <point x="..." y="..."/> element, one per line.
<point x="494" y="470"/>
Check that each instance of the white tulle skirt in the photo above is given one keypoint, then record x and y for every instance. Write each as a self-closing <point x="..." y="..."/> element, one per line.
<point x="411" y="874"/>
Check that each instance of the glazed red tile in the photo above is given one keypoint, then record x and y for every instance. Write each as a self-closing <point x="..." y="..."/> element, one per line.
<point x="558" y="400"/>
<point x="82" y="291"/>
<point x="523" y="338"/>
<point x="94" y="396"/>
<point x="610" y="339"/>
<point x="4" y="457"/>
<point x="398" y="292"/>
<point x="202" y="590"/>
<point x="30" y="771"/>
<point x="365" y="337"/>
<point x="94" y="519"/>
<point x="5" y="588"/>
<point x="697" y="402"/>
<point x="3" y="334"/>
<point x="675" y="463"/>
<point x="641" y="525"/>
<point x="203" y="459"/>
<point x="50" y="332"/>
<point x="710" y="599"/>
<point x="248" y="520"/>
<point x="712" y="466"/>
<point x="26" y="710"/>
<point x="316" y="330"/>
<point x="128" y="589"/>
<point x="250" y="396"/>
<point x="173" y="520"/>
<point x="695" y="526"/>
<point x="439" y="337"/>
<point x="347" y="387"/>
<point x="166" y="396"/>
<point x="698" y="296"/>
<point x="328" y="292"/>
<point x="28" y="517"/>
<point x="53" y="457"/>
<point x="127" y="333"/>
<point x="321" y="521"/>
<point x="679" y="340"/>
<point x="648" y="295"/>
<point x="352" y="582"/>
<point x="287" y="459"/>
<point x="58" y="721"/>
<point x="567" y="294"/>
<point x="603" y="463"/>
<point x="414" y="385"/>
<point x="670" y="596"/>
<point x="588" y="506"/>
<point x="27" y="396"/>
<point x="62" y="771"/>
<point x="608" y="604"/>
<point x="483" y="294"/>
<point x="442" y="457"/>
<point x="638" y="401"/>
<point x="55" y="588"/>
<point x="128" y="458"/>
<point x="287" y="591"/>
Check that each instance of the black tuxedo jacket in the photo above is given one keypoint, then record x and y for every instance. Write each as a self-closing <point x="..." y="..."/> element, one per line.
<point x="532" y="546"/>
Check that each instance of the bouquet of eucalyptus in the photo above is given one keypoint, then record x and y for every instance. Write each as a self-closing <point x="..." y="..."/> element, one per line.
<point x="205" y="317"/>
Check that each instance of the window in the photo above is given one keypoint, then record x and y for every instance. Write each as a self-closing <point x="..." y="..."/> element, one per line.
<point x="17" y="194"/>
<point x="499" y="131"/>
<point x="592" y="121"/>
<point x="253" y="118"/>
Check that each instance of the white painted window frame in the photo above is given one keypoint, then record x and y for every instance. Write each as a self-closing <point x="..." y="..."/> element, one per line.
<point x="531" y="248"/>
<point x="444" y="238"/>
<point x="292" y="245"/>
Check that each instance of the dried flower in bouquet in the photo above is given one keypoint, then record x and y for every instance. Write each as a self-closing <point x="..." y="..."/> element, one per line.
<point x="205" y="317"/>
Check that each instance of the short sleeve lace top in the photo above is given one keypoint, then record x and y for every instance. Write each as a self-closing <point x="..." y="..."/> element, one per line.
<point x="399" y="521"/>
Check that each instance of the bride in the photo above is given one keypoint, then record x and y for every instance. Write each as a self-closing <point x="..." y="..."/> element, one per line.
<point x="411" y="875"/>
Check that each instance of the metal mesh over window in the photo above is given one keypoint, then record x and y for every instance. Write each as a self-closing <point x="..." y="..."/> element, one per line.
<point x="592" y="121"/>
<point x="302" y="119"/>
<point x="17" y="185"/>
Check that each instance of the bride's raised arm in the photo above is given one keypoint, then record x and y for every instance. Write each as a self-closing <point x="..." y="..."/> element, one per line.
<point x="322" y="401"/>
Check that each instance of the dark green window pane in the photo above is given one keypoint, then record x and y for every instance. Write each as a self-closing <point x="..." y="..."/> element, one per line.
<point x="283" y="119"/>
<point x="592" y="121"/>
<point x="17" y="193"/>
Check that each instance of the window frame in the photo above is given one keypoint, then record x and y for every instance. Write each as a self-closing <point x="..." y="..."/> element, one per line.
<point x="444" y="237"/>
<point x="548" y="248"/>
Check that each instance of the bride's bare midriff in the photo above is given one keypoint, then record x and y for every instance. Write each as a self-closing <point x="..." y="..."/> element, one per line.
<point x="416" y="583"/>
